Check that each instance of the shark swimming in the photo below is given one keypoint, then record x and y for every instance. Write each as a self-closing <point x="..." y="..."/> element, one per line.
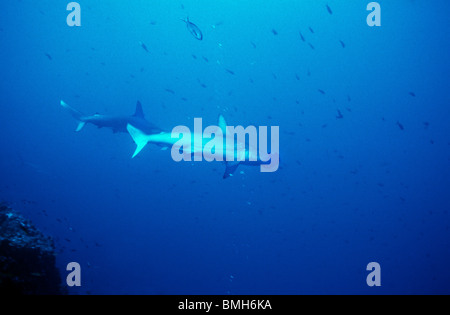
<point x="216" y="143"/>
<point x="116" y="123"/>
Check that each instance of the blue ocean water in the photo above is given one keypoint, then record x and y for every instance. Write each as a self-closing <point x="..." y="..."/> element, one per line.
<point x="364" y="142"/>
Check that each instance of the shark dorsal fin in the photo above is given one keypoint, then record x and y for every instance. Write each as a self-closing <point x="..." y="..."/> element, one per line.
<point x="222" y="124"/>
<point x="139" y="111"/>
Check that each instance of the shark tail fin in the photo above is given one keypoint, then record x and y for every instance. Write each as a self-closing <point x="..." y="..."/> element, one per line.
<point x="75" y="114"/>
<point x="80" y="126"/>
<point x="139" y="138"/>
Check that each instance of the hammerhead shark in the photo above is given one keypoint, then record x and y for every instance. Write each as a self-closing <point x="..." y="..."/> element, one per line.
<point x="116" y="123"/>
<point x="192" y="147"/>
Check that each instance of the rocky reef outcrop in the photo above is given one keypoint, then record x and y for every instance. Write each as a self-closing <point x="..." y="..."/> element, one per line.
<point x="27" y="258"/>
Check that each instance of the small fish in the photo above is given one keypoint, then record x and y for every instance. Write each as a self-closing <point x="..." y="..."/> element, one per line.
<point x="312" y="47"/>
<point x="49" y="57"/>
<point x="311" y="30"/>
<point x="193" y="29"/>
<point x="412" y="94"/>
<point x="214" y="26"/>
<point x="297" y="77"/>
<point x="302" y="37"/>
<point x="400" y="126"/>
<point x="170" y="91"/>
<point x="143" y="46"/>
<point x="342" y="43"/>
<point x="321" y="91"/>
<point x="274" y="32"/>
<point x="329" y="9"/>
<point x="253" y="44"/>
<point x="230" y="71"/>
<point x="206" y="59"/>
<point x="339" y="116"/>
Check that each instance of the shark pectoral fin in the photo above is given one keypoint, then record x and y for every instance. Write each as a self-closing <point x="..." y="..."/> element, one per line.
<point x="80" y="126"/>
<point x="139" y="138"/>
<point x="231" y="167"/>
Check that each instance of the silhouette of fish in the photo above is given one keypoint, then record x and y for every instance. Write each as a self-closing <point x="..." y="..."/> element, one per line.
<point x="143" y="46"/>
<point x="302" y="37"/>
<point x="193" y="29"/>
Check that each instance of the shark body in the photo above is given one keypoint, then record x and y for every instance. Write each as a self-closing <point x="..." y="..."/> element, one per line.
<point x="192" y="147"/>
<point x="115" y="123"/>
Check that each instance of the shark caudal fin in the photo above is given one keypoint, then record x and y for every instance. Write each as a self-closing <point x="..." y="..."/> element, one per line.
<point x="139" y="111"/>
<point x="75" y="114"/>
<point x="139" y="138"/>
